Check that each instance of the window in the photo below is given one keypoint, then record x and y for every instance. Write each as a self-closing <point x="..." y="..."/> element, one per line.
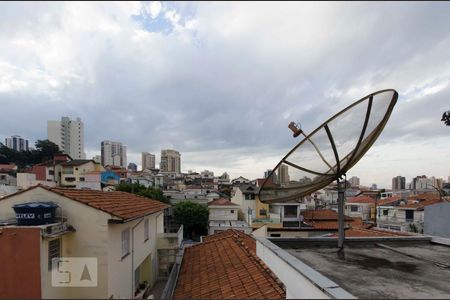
<point x="263" y="212"/>
<point x="81" y="178"/>
<point x="385" y="212"/>
<point x="232" y="211"/>
<point x="51" y="172"/>
<point x="409" y="215"/>
<point x="290" y="211"/>
<point x="249" y="197"/>
<point x="275" y="235"/>
<point x="353" y="208"/>
<point x="54" y="251"/>
<point x="146" y="229"/>
<point x="125" y="242"/>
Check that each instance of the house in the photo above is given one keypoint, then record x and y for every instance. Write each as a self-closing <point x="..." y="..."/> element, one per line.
<point x="6" y="174"/>
<point x="364" y="206"/>
<point x="116" y="230"/>
<point x="223" y="215"/>
<point x="240" y="180"/>
<point x="407" y="215"/>
<point x="74" y="171"/>
<point x="209" y="272"/>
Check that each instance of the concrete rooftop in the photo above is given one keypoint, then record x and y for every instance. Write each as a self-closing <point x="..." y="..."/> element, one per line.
<point x="379" y="267"/>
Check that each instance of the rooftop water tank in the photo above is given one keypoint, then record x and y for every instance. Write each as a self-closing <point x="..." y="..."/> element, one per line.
<point x="35" y="213"/>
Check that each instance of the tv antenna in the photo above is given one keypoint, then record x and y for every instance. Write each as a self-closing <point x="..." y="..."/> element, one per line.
<point x="328" y="152"/>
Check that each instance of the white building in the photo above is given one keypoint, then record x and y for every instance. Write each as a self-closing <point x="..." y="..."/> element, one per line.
<point x="354" y="181"/>
<point x="170" y="161"/>
<point x="17" y="143"/>
<point x="223" y="215"/>
<point x="113" y="154"/>
<point x="148" y="161"/>
<point x="68" y="135"/>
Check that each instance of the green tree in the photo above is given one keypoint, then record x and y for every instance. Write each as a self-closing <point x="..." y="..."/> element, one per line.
<point x="193" y="217"/>
<point x="141" y="190"/>
<point x="44" y="151"/>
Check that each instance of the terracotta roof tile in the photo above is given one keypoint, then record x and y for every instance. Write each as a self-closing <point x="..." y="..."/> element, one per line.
<point x="369" y="200"/>
<point x="421" y="204"/>
<point x="119" y="204"/>
<point x="362" y="232"/>
<point x="222" y="267"/>
<point x="321" y="214"/>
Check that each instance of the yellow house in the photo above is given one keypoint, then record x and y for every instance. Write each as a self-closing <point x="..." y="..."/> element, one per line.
<point x="118" y="230"/>
<point x="72" y="172"/>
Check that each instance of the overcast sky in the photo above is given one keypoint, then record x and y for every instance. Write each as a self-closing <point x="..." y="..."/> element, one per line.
<point x="221" y="81"/>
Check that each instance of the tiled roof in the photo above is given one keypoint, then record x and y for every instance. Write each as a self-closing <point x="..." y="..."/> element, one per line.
<point x="223" y="268"/>
<point x="322" y="214"/>
<point x="421" y="204"/>
<point x="424" y="196"/>
<point x="362" y="232"/>
<point x="222" y="201"/>
<point x="76" y="162"/>
<point x="123" y="205"/>
<point x="248" y="241"/>
<point x="369" y="200"/>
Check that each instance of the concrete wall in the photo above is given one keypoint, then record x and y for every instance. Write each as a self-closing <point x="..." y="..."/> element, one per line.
<point x="218" y="213"/>
<point x="437" y="220"/>
<point x="301" y="281"/>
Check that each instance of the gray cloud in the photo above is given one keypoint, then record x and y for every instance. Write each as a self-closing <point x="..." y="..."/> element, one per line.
<point x="222" y="83"/>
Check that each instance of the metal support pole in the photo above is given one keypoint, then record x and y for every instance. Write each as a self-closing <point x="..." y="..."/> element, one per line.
<point x="341" y="217"/>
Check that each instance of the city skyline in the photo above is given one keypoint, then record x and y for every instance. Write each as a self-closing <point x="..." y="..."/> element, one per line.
<point x="230" y="114"/>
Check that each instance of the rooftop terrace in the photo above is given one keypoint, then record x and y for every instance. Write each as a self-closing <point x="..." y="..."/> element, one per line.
<point x="376" y="267"/>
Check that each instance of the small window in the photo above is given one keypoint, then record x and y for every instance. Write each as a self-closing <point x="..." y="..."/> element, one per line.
<point x="146" y="230"/>
<point x="385" y="212"/>
<point x="232" y="211"/>
<point x="54" y="251"/>
<point x="81" y="178"/>
<point x="353" y="208"/>
<point x="275" y="235"/>
<point x="125" y="242"/>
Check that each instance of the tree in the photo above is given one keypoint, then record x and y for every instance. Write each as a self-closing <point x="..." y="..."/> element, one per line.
<point x="143" y="191"/>
<point x="44" y="152"/>
<point x="193" y="216"/>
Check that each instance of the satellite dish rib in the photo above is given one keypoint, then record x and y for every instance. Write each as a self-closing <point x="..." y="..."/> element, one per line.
<point x="327" y="153"/>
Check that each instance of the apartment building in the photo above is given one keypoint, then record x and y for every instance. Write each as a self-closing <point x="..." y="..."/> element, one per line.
<point x="148" y="161"/>
<point x="17" y="143"/>
<point x="68" y="135"/>
<point x="113" y="154"/>
<point x="170" y="161"/>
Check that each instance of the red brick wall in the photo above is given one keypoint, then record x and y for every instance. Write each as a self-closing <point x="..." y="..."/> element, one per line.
<point x="39" y="171"/>
<point x="20" y="272"/>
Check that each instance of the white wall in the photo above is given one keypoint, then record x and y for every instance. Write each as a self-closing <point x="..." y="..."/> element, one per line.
<point x="218" y="213"/>
<point x="297" y="286"/>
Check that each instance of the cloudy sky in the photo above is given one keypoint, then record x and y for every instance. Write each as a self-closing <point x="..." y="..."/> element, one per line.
<point x="221" y="81"/>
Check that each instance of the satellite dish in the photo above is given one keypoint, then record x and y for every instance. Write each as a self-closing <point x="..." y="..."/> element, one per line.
<point x="330" y="151"/>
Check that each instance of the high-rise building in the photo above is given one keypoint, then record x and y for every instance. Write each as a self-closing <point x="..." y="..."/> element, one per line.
<point x="283" y="174"/>
<point x="354" y="181"/>
<point x="170" y="161"/>
<point x="68" y="135"/>
<point x="148" y="161"/>
<point x="114" y="154"/>
<point x="398" y="183"/>
<point x="17" y="143"/>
